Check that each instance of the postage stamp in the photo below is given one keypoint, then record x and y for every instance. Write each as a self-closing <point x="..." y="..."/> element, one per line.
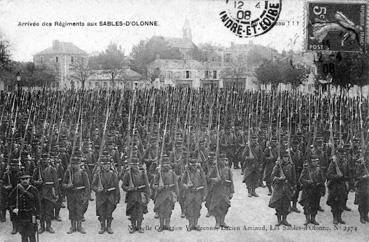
<point x="336" y="26"/>
<point x="250" y="18"/>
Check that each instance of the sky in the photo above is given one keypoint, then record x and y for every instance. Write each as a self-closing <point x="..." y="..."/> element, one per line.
<point x="203" y="16"/>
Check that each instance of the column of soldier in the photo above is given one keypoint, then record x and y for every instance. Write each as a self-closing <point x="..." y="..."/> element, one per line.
<point x="178" y="144"/>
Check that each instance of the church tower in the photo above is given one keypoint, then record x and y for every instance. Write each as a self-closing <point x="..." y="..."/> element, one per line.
<point x="187" y="35"/>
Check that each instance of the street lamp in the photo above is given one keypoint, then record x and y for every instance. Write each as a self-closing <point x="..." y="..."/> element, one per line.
<point x="18" y="78"/>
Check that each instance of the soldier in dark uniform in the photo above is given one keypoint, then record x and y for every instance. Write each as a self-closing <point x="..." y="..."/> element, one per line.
<point x="221" y="189"/>
<point x="166" y="186"/>
<point x="270" y="158"/>
<point x="105" y="184"/>
<point x="56" y="162"/>
<point x="297" y="159"/>
<point x="194" y="182"/>
<point x="2" y="190"/>
<point x="212" y="163"/>
<point x="85" y="168"/>
<point x="25" y="204"/>
<point x="362" y="188"/>
<point x="284" y="184"/>
<point x="136" y="184"/>
<point x="337" y="189"/>
<point x="10" y="181"/>
<point x="77" y="187"/>
<point x="251" y="171"/>
<point x="46" y="181"/>
<point x="312" y="183"/>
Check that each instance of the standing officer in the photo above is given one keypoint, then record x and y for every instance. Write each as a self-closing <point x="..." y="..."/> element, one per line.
<point x="362" y="188"/>
<point x="25" y="204"/>
<point x="105" y="184"/>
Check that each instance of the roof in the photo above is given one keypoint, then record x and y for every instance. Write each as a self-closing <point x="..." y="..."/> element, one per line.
<point x="179" y="43"/>
<point x="124" y="74"/>
<point x="176" y="64"/>
<point x="62" y="48"/>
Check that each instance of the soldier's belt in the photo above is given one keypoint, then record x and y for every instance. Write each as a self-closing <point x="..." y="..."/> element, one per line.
<point x="228" y="181"/>
<point x="198" y="188"/>
<point x="143" y="186"/>
<point x="49" y="183"/>
<point x="110" y="189"/>
<point x="79" y="188"/>
<point x="60" y="179"/>
<point x="26" y="210"/>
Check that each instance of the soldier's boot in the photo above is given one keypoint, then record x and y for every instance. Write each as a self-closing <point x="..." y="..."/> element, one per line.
<point x="339" y="218"/>
<point x="294" y="208"/>
<point x="249" y="192"/>
<point x="102" y="226"/>
<point x="366" y="217"/>
<point x="208" y="214"/>
<point x="83" y="219"/>
<point x="279" y="218"/>
<point x="14" y="228"/>
<point x="313" y="220"/>
<point x="3" y="215"/>
<point x="320" y="209"/>
<point x="362" y="218"/>
<point x="285" y="222"/>
<point x="49" y="228"/>
<point x="253" y="193"/>
<point x="183" y="214"/>
<point x="217" y="222"/>
<point x="57" y="217"/>
<point x="80" y="228"/>
<point x="222" y="223"/>
<point x="195" y="225"/>
<point x="161" y="225"/>
<point x="139" y="228"/>
<point x="307" y="219"/>
<point x="335" y="219"/>
<point x="108" y="226"/>
<point x="42" y="226"/>
<point x="269" y="190"/>
<point x="190" y="224"/>
<point x="347" y="208"/>
<point x="167" y="225"/>
<point x="72" y="227"/>
<point x="132" y="229"/>
<point x="156" y="215"/>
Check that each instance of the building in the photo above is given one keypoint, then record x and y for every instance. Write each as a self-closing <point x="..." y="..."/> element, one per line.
<point x="60" y="57"/>
<point x="126" y="78"/>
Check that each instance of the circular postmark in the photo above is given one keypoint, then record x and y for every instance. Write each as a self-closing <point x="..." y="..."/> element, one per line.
<point x="250" y="18"/>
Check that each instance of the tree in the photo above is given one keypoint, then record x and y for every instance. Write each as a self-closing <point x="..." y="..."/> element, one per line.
<point x="80" y="71"/>
<point x="281" y="71"/>
<point x="147" y="51"/>
<point x="112" y="59"/>
<point x="236" y="69"/>
<point x="5" y="60"/>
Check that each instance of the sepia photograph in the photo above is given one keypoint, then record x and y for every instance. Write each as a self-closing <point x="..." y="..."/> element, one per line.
<point x="184" y="120"/>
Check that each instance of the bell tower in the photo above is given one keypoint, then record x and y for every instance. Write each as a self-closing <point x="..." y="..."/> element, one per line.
<point x="187" y="30"/>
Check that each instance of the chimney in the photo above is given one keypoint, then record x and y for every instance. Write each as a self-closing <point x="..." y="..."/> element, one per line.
<point x="56" y="44"/>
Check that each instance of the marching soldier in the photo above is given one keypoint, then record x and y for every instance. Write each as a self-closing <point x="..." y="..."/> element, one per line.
<point x="194" y="183"/>
<point x="312" y="183"/>
<point x="222" y="189"/>
<point x="270" y="158"/>
<point x="46" y="180"/>
<point x="284" y="183"/>
<point x="77" y="187"/>
<point x="2" y="190"/>
<point x="166" y="187"/>
<point x="105" y="184"/>
<point x="136" y="184"/>
<point x="25" y="204"/>
<point x="60" y="175"/>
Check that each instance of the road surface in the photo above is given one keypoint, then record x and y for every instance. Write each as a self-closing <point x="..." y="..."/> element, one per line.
<point x="250" y="219"/>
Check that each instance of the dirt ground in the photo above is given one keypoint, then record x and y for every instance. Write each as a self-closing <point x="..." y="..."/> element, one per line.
<point x="250" y="219"/>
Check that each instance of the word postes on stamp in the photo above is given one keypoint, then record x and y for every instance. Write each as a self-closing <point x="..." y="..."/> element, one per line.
<point x="250" y="18"/>
<point x="336" y="26"/>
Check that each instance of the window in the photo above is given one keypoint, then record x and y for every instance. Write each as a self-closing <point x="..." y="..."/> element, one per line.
<point x="188" y="74"/>
<point x="214" y="74"/>
<point x="206" y="74"/>
<point x="72" y="59"/>
<point x="227" y="57"/>
<point x="56" y="59"/>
